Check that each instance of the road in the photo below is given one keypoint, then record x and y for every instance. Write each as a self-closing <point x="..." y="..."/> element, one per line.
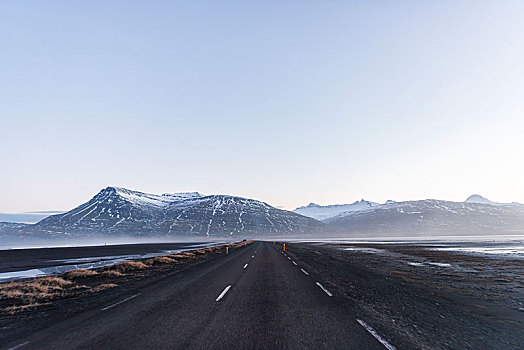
<point x="254" y="298"/>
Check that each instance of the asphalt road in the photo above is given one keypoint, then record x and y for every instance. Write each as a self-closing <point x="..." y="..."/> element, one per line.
<point x="254" y="298"/>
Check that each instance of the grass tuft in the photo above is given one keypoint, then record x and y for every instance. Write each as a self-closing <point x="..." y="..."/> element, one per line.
<point x="111" y="273"/>
<point x="104" y="286"/>
<point x="127" y="266"/>
<point x="159" y="260"/>
<point x="80" y="273"/>
<point x="43" y="288"/>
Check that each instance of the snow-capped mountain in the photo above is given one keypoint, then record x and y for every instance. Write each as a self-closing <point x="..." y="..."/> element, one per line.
<point x="117" y="210"/>
<point x="325" y="212"/>
<point x="476" y="198"/>
<point x="432" y="217"/>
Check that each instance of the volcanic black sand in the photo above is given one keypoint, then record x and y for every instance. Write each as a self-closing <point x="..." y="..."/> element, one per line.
<point x="35" y="258"/>
<point x="420" y="298"/>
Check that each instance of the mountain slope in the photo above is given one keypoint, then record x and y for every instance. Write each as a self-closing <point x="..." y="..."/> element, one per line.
<point x="431" y="217"/>
<point x="324" y="212"/>
<point x="120" y="211"/>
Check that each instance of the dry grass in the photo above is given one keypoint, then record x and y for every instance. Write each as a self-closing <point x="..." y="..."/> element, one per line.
<point x="52" y="281"/>
<point x="176" y="256"/>
<point x="111" y="273"/>
<point x="11" y="310"/>
<point x="159" y="260"/>
<point x="236" y="245"/>
<point x="27" y="294"/>
<point x="42" y="288"/>
<point x="164" y="260"/>
<point x="104" y="287"/>
<point x="127" y="266"/>
<point x="80" y="273"/>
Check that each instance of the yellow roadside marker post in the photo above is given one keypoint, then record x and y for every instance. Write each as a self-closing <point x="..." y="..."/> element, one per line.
<point x="227" y="250"/>
<point x="284" y="246"/>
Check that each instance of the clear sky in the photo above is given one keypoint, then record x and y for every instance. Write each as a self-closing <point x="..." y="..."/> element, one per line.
<point x="289" y="102"/>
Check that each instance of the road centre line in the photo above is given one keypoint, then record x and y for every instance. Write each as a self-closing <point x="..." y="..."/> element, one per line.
<point x="18" y="346"/>
<point x="223" y="293"/>
<point x="324" y="289"/>
<point x="376" y="335"/>
<point x="120" y="302"/>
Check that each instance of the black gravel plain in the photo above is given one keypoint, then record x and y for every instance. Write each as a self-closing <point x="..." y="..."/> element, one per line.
<point x="421" y="298"/>
<point x="35" y="258"/>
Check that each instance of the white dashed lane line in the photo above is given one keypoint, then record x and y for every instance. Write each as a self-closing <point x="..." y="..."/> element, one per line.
<point x="120" y="302"/>
<point x="223" y="293"/>
<point x="305" y="272"/>
<point x="245" y="265"/>
<point x="294" y="263"/>
<point x="376" y="335"/>
<point x="324" y="289"/>
<point x="18" y="346"/>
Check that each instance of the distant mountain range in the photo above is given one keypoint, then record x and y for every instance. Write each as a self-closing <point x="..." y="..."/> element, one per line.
<point x="117" y="212"/>
<point x="477" y="215"/>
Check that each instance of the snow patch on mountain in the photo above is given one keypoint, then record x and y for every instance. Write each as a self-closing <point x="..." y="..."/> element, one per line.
<point x="145" y="199"/>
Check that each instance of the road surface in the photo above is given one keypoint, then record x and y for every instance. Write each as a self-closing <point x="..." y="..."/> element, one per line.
<point x="254" y="298"/>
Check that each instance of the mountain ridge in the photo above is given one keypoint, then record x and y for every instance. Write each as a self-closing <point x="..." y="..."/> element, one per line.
<point x="115" y="209"/>
<point x="117" y="212"/>
<point x="432" y="217"/>
<point x="324" y="212"/>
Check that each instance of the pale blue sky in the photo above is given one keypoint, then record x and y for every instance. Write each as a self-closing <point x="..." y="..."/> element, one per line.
<point x="284" y="101"/>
